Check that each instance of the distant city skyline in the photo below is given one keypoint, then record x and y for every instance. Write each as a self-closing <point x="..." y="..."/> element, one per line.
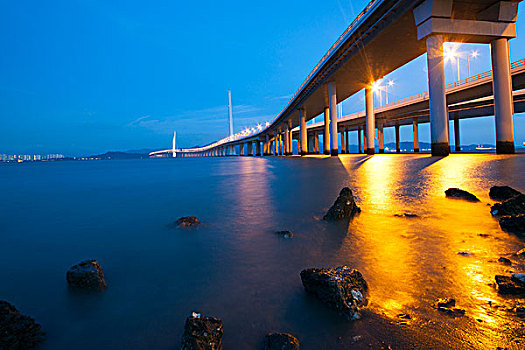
<point x="85" y="78"/>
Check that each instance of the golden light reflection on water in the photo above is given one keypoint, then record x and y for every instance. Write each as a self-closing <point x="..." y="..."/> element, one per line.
<point x="450" y="250"/>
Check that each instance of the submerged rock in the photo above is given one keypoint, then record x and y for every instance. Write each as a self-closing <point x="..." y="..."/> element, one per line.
<point x="461" y="194"/>
<point x="447" y="306"/>
<point x="406" y="215"/>
<point x="284" y="234"/>
<point x="502" y="193"/>
<point x="17" y="331"/>
<point x="281" y="341"/>
<point x="445" y="302"/>
<point x="513" y="206"/>
<point x="341" y="288"/>
<point x="87" y="275"/>
<point x="504" y="261"/>
<point x="202" y="333"/>
<point x="510" y="285"/>
<point x="187" y="221"/>
<point x="513" y="224"/>
<point x="344" y="207"/>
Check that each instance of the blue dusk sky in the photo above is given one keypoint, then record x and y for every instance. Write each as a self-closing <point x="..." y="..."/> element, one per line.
<point x="84" y="77"/>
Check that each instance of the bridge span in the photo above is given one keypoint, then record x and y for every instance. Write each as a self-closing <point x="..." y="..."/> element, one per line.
<point x="386" y="35"/>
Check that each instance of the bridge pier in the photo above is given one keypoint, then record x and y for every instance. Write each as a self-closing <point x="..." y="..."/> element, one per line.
<point x="347" y="141"/>
<point x="275" y="145"/>
<point x="303" y="142"/>
<point x="415" y="132"/>
<point x="332" y="106"/>
<point x="398" y="142"/>
<point x="437" y="99"/>
<point x="326" y="135"/>
<point x="343" y="143"/>
<point x="380" y="137"/>
<point x="370" y="120"/>
<point x="364" y="140"/>
<point x="503" y="102"/>
<point x="358" y="139"/>
<point x="242" y="151"/>
<point x="457" y="143"/>
<point x="266" y="147"/>
<point x="316" y="143"/>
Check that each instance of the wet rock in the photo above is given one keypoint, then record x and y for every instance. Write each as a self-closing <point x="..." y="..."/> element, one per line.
<point x="461" y="194"/>
<point x="87" y="275"/>
<point x="406" y="215"/>
<point x="508" y="285"/>
<point x="504" y="261"/>
<point x="513" y="224"/>
<point x="344" y="207"/>
<point x="521" y="253"/>
<point x="202" y="333"/>
<point x="512" y="207"/>
<point x="281" y="341"/>
<point x="454" y="312"/>
<point x="465" y="253"/>
<point x="445" y="303"/>
<point x="341" y="288"/>
<point x="502" y="193"/>
<point x="518" y="277"/>
<point x="285" y="234"/>
<point x="404" y="316"/>
<point x="187" y="221"/>
<point x="17" y="331"/>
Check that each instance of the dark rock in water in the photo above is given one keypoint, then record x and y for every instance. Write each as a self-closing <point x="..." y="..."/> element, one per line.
<point x="514" y="206"/>
<point x="281" y="341"/>
<point x="445" y="302"/>
<point x="461" y="194"/>
<point x="465" y="253"/>
<point x="17" y="331"/>
<point x="202" y="333"/>
<point x="406" y="215"/>
<point x="285" y="234"/>
<point x="344" y="207"/>
<point x="502" y="193"/>
<point x="510" y="285"/>
<point x="187" y="221"/>
<point x="513" y="224"/>
<point x="87" y="275"/>
<point x="342" y="289"/>
<point x="505" y="261"/>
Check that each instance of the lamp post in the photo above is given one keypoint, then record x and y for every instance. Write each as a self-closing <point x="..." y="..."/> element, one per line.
<point x="390" y="83"/>
<point x="473" y="54"/>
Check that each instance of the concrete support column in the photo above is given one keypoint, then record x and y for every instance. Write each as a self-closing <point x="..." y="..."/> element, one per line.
<point x="358" y="139"/>
<point x="365" y="141"/>
<point x="370" y="120"/>
<point x="258" y="151"/>
<point x="326" y="135"/>
<point x="266" y="149"/>
<point x="503" y="105"/>
<point x="332" y="105"/>
<point x="398" y="143"/>
<point x="290" y="137"/>
<point x="316" y="141"/>
<point x="242" y="150"/>
<point x="275" y="144"/>
<point x="303" y="143"/>
<point x="250" y="148"/>
<point x="343" y="143"/>
<point x="311" y="143"/>
<point x="415" y="131"/>
<point x="457" y="142"/>
<point x="437" y="98"/>
<point x="286" y="140"/>
<point x="380" y="137"/>
<point x="347" y="143"/>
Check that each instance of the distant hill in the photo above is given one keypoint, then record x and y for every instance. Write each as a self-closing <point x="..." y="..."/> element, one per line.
<point x="119" y="155"/>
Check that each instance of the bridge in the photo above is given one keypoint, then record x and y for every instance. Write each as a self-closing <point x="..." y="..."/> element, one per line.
<point x="386" y="35"/>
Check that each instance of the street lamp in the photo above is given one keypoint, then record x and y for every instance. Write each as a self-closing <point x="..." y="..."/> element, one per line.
<point x="376" y="87"/>
<point x="451" y="55"/>
<point x="473" y="54"/>
<point x="390" y="83"/>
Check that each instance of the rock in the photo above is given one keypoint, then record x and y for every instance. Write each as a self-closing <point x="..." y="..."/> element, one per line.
<point x="513" y="224"/>
<point x="406" y="215"/>
<point x="505" y="261"/>
<point x="445" y="303"/>
<point x="202" y="333"/>
<point x="344" y="207"/>
<point x="518" y="277"/>
<point x="187" y="221"/>
<point x="341" y="288"/>
<point x="461" y="194"/>
<point x="514" y="206"/>
<point x="521" y="253"/>
<point x="465" y="253"/>
<point x="285" y="234"/>
<point x="281" y="341"/>
<point x="508" y="285"/>
<point x="87" y="275"/>
<point x="17" y="331"/>
<point x="502" y="193"/>
<point x="454" y="312"/>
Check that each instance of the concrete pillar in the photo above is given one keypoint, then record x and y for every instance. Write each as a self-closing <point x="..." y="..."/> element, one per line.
<point x="398" y="143"/>
<point x="286" y="140"/>
<point x="303" y="143"/>
<point x="242" y="149"/>
<point x="415" y="131"/>
<point x="457" y="142"/>
<point x="266" y="149"/>
<point x="503" y="105"/>
<point x="332" y="105"/>
<point x="326" y="136"/>
<point x="290" y="137"/>
<point x="258" y="151"/>
<point x="370" y="120"/>
<point x="365" y="141"/>
<point x="311" y="143"/>
<point x="316" y="143"/>
<point x="250" y="148"/>
<point x="347" y="143"/>
<point x="358" y="139"/>
<point x="275" y="144"/>
<point x="380" y="137"/>
<point x="437" y="98"/>
<point x="343" y="143"/>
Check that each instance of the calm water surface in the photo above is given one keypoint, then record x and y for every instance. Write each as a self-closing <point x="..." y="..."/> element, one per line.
<point x="53" y="215"/>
